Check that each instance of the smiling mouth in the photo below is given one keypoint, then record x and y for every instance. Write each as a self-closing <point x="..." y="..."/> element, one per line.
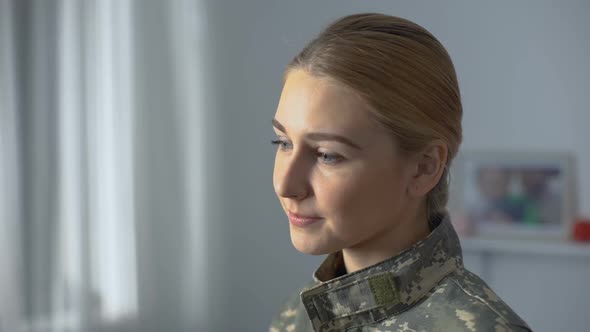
<point x="302" y="216"/>
<point x="302" y="221"/>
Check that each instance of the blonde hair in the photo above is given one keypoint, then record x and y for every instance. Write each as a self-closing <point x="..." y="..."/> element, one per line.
<point x="404" y="74"/>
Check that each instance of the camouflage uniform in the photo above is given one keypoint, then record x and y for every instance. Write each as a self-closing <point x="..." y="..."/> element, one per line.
<point x="424" y="288"/>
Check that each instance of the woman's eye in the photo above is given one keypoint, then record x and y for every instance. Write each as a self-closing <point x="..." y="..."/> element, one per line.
<point x="283" y="145"/>
<point x="327" y="158"/>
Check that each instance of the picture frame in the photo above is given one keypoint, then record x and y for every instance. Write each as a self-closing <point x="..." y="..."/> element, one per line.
<point x="513" y="194"/>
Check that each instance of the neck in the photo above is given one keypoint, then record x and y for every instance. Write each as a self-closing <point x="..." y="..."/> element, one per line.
<point x="407" y="231"/>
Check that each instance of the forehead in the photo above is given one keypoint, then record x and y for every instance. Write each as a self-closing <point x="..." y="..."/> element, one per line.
<point x="309" y="103"/>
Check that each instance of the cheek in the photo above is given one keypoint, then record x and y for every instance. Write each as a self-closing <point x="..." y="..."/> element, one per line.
<point x="276" y="171"/>
<point x="274" y="177"/>
<point x="363" y="198"/>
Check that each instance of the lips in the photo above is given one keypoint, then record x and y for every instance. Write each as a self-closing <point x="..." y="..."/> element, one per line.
<point x="302" y="220"/>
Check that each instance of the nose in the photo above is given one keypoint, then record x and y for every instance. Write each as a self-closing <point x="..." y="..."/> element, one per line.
<point x="291" y="176"/>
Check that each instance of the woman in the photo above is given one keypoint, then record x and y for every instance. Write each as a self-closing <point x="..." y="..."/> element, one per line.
<point x="367" y="124"/>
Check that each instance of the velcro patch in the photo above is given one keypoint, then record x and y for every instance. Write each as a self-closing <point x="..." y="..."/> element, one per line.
<point x="384" y="289"/>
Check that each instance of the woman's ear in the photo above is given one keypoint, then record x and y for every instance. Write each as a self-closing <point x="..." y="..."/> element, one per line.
<point x="429" y="167"/>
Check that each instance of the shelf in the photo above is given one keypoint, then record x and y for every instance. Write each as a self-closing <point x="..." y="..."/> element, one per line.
<point x="532" y="247"/>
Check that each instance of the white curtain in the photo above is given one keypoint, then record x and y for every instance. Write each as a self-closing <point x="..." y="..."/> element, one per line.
<point x="102" y="207"/>
<point x="10" y="253"/>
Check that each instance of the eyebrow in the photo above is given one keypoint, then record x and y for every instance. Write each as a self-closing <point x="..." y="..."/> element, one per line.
<point x="320" y="136"/>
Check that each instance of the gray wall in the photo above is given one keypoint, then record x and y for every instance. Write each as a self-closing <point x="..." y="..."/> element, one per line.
<point x="524" y="78"/>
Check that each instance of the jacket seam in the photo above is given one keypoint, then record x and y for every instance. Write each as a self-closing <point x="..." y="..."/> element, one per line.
<point x="486" y="303"/>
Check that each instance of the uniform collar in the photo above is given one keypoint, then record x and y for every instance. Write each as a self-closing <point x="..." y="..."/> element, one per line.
<point x="395" y="284"/>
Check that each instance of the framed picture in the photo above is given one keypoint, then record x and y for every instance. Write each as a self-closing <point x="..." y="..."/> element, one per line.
<point x="514" y="194"/>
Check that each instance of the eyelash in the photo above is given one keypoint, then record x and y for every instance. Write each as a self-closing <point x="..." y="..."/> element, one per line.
<point x="336" y="157"/>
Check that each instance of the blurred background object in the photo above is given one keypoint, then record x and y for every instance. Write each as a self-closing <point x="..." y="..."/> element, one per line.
<point x="581" y="230"/>
<point x="136" y="171"/>
<point x="515" y="194"/>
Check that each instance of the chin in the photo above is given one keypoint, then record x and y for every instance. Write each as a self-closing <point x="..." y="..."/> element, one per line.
<point x="310" y="247"/>
<point x="308" y="251"/>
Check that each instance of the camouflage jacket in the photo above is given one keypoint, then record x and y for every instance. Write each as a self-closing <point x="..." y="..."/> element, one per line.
<point x="424" y="288"/>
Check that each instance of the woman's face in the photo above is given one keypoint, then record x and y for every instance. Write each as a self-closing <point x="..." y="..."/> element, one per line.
<point x="335" y="163"/>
